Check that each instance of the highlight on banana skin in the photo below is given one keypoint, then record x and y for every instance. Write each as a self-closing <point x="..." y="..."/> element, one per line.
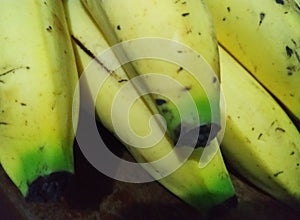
<point x="194" y="90"/>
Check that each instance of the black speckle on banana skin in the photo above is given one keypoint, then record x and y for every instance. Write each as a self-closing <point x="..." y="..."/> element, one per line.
<point x="261" y="17"/>
<point x="281" y="2"/>
<point x="160" y="101"/>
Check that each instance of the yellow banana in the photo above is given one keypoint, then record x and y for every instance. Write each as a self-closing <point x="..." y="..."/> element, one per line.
<point x="203" y="188"/>
<point x="265" y="38"/>
<point x="260" y="141"/>
<point x="184" y="35"/>
<point x="37" y="80"/>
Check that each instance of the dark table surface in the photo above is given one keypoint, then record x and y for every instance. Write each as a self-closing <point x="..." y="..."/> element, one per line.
<point x="91" y="195"/>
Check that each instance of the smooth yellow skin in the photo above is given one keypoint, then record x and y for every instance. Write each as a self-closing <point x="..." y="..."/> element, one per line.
<point x="201" y="187"/>
<point x="260" y="140"/>
<point x="265" y="38"/>
<point x="38" y="76"/>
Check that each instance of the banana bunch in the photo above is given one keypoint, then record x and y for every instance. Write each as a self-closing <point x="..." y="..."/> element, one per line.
<point x="172" y="80"/>
<point x="260" y="140"/>
<point x="169" y="22"/>
<point x="38" y="76"/>
<point x="177" y="169"/>
<point x="265" y="39"/>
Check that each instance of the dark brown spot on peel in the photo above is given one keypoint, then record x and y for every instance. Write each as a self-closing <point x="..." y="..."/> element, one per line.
<point x="214" y="79"/>
<point x="90" y="54"/>
<point x="281" y="2"/>
<point x="122" y="80"/>
<point x="10" y="71"/>
<point x="261" y="17"/>
<point x="289" y="51"/>
<point x="278" y="173"/>
<point x="165" y="111"/>
<point x="291" y="70"/>
<point x="279" y="129"/>
<point x="273" y="123"/>
<point x="160" y="101"/>
<point x="187" y="88"/>
<point x="185" y="14"/>
<point x="49" y="28"/>
<point x="179" y="69"/>
<point x="297" y="56"/>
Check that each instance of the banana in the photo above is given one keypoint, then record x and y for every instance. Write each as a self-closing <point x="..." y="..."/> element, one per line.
<point x="202" y="188"/>
<point x="265" y="38"/>
<point x="184" y="51"/>
<point x="260" y="141"/>
<point x="38" y="76"/>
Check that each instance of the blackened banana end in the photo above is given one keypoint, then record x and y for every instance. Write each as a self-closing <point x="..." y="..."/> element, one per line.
<point x="48" y="188"/>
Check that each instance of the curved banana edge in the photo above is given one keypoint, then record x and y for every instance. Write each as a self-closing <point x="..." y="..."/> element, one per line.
<point x="265" y="38"/>
<point x="185" y="23"/>
<point x="260" y="141"/>
<point x="202" y="188"/>
<point x="37" y="81"/>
